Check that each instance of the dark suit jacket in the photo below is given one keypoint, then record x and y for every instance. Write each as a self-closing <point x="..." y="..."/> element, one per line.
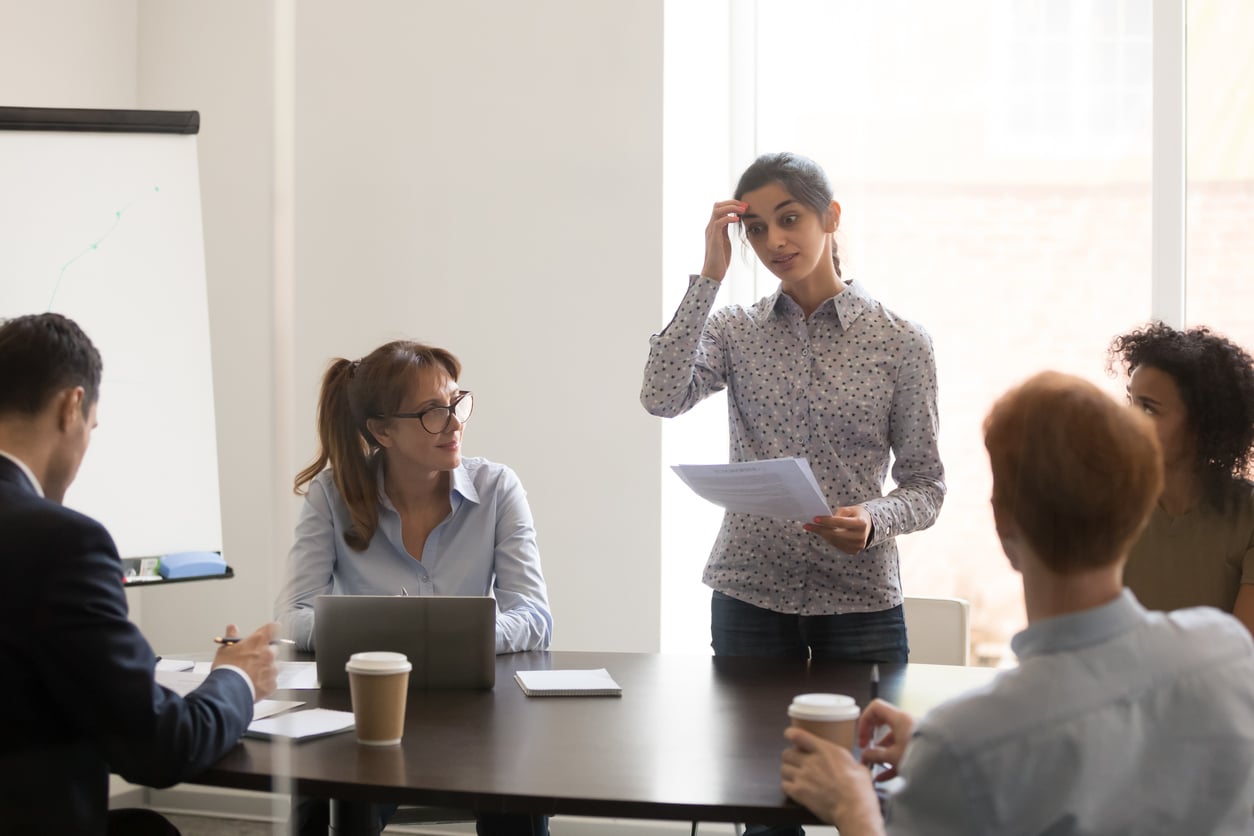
<point x="77" y="696"/>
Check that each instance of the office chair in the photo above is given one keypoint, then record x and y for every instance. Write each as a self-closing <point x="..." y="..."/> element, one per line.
<point x="939" y="630"/>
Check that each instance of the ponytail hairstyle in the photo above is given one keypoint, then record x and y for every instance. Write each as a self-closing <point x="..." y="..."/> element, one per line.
<point x="352" y="393"/>
<point x="800" y="176"/>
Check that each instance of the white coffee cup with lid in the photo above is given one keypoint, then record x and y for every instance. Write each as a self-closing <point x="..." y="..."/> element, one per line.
<point x="833" y="717"/>
<point x="379" y="683"/>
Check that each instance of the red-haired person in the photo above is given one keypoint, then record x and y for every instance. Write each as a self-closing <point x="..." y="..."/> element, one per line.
<point x="1118" y="719"/>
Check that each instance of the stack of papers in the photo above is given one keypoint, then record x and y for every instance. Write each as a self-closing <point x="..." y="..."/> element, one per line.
<point x="589" y="683"/>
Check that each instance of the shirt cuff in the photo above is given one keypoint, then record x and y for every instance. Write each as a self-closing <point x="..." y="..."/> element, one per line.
<point x="252" y="691"/>
<point x="870" y="535"/>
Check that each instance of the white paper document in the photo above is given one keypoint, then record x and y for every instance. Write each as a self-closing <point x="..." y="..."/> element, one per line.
<point x="292" y="675"/>
<point x="297" y="675"/>
<point x="302" y="725"/>
<point x="769" y="488"/>
<point x="568" y="683"/>
<point x="268" y="708"/>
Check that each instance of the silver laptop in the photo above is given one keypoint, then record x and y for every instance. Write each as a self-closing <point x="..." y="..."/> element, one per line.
<point x="449" y="639"/>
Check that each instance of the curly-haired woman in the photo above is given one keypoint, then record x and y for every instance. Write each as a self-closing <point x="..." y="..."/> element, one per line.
<point x="1198" y="548"/>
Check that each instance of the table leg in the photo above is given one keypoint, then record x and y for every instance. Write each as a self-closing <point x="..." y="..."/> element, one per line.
<point x="354" y="818"/>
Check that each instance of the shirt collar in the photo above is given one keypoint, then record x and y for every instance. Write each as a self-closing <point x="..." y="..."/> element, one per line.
<point x="1077" y="630"/>
<point x="847" y="305"/>
<point x="460" y="483"/>
<point x="26" y="471"/>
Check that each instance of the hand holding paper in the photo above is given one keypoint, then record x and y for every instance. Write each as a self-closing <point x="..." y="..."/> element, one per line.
<point x="848" y="529"/>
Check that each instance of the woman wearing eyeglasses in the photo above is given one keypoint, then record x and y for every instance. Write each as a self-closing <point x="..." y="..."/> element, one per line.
<point x="400" y="511"/>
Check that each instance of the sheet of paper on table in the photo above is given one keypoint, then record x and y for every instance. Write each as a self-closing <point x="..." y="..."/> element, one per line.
<point x="568" y="683"/>
<point x="291" y="675"/>
<point x="302" y="725"/>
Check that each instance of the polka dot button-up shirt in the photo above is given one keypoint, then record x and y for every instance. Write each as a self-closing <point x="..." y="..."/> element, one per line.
<point x="847" y="388"/>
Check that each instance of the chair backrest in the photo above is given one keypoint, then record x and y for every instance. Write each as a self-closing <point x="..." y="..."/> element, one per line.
<point x="939" y="630"/>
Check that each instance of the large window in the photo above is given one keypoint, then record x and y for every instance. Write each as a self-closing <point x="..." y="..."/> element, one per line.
<point x="1220" y="251"/>
<point x="993" y="159"/>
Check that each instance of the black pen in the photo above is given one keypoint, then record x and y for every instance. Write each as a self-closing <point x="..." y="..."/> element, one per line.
<point x="876" y="769"/>
<point x="236" y="639"/>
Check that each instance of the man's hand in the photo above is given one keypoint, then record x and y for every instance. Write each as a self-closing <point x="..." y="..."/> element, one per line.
<point x="889" y="749"/>
<point x="254" y="656"/>
<point x="825" y="779"/>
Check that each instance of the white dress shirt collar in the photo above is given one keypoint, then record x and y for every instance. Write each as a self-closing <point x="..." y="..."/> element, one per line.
<point x="30" y="474"/>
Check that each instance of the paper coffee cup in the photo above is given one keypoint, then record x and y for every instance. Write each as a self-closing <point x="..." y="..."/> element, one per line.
<point x="379" y="684"/>
<point x="832" y="717"/>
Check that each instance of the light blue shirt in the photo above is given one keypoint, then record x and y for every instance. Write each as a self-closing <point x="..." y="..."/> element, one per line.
<point x="1117" y="721"/>
<point x="485" y="546"/>
<point x="850" y="388"/>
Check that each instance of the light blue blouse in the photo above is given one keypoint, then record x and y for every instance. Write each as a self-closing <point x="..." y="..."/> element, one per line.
<point x="1117" y="720"/>
<point x="485" y="546"/>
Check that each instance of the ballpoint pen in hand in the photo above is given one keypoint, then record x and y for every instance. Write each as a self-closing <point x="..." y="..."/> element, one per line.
<point x="237" y="639"/>
<point x="877" y="732"/>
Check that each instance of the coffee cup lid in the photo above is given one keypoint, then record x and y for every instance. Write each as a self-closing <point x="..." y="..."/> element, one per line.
<point x="378" y="661"/>
<point x="823" y="707"/>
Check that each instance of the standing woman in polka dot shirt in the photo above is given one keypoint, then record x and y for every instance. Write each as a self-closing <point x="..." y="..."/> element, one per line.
<point x="818" y="369"/>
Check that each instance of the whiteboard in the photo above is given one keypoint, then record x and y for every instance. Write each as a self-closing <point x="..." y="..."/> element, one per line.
<point x="105" y="228"/>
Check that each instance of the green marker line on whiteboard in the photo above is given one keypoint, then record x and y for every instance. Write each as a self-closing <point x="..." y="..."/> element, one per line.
<point x="117" y="219"/>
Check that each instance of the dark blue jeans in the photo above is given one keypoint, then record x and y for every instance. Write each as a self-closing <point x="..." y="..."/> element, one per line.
<point x="740" y="629"/>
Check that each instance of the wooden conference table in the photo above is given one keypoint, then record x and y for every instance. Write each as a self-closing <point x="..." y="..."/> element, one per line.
<point x="691" y="738"/>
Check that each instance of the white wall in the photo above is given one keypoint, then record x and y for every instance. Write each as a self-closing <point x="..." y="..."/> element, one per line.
<point x="217" y="58"/>
<point x="68" y="53"/>
<point x="482" y="175"/>
<point x="487" y="176"/>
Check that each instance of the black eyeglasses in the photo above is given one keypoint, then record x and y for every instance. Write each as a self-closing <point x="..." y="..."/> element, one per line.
<point x="437" y="419"/>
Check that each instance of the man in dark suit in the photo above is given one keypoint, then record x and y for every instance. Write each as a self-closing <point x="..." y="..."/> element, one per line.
<point x="77" y="693"/>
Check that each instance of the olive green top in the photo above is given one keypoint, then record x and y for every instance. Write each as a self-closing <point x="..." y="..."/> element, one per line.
<point x="1198" y="558"/>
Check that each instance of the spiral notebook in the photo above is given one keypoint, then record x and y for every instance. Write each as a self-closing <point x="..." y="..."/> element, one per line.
<point x="568" y="683"/>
